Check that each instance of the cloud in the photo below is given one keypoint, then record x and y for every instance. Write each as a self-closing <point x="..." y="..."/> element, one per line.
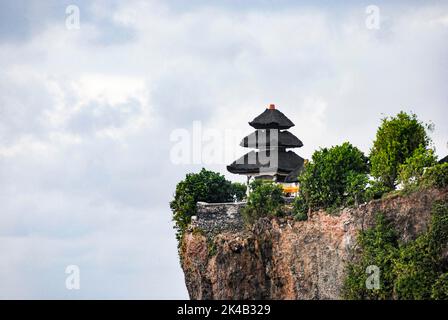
<point x="86" y="117"/>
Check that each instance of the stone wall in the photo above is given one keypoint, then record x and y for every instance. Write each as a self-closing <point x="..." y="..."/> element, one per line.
<point x="214" y="218"/>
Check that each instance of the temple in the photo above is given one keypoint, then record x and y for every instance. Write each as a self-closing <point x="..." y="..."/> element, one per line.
<point x="272" y="160"/>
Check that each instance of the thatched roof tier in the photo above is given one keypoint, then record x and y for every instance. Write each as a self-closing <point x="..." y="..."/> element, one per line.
<point x="294" y="175"/>
<point x="261" y="139"/>
<point x="253" y="163"/>
<point x="271" y="118"/>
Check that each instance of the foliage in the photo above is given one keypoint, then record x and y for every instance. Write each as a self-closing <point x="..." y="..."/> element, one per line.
<point x="440" y="288"/>
<point x="207" y="186"/>
<point x="415" y="270"/>
<point x="265" y="199"/>
<point x="411" y="172"/>
<point x="379" y="249"/>
<point x="436" y="176"/>
<point x="376" y="190"/>
<point x="300" y="208"/>
<point x="331" y="174"/>
<point x="356" y="188"/>
<point x="420" y="262"/>
<point x="238" y="190"/>
<point x="212" y="248"/>
<point x="396" y="140"/>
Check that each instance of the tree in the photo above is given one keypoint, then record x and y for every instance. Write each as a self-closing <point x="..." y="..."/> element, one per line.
<point x="356" y="187"/>
<point x="325" y="181"/>
<point x="207" y="186"/>
<point x="396" y="140"/>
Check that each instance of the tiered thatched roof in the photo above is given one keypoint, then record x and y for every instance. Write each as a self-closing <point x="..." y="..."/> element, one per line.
<point x="272" y="159"/>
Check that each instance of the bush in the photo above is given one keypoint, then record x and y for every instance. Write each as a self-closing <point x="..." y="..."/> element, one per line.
<point x="265" y="199"/>
<point x="436" y="176"/>
<point x="440" y="288"/>
<point x="376" y="190"/>
<point x="238" y="190"/>
<point x="205" y="186"/>
<point x="379" y="247"/>
<point x="332" y="173"/>
<point x="396" y="140"/>
<point x="300" y="208"/>
<point x="420" y="262"/>
<point x="415" y="270"/>
<point x="411" y="172"/>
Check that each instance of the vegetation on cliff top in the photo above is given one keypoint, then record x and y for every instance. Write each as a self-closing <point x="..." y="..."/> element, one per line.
<point x="207" y="186"/>
<point x="344" y="176"/>
<point x="338" y="176"/>
<point x="396" y="140"/>
<point x="265" y="199"/>
<point x="335" y="176"/>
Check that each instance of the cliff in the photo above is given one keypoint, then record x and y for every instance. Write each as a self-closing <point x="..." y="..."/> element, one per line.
<point x="280" y="258"/>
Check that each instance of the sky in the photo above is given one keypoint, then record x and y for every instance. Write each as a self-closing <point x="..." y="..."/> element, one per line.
<point x="90" y="117"/>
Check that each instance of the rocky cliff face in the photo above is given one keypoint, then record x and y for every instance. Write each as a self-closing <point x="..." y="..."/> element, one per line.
<point x="279" y="258"/>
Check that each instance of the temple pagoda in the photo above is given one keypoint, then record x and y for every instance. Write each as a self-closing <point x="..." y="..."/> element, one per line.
<point x="271" y="138"/>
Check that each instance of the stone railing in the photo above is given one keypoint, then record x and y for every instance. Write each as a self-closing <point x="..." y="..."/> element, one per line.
<point x="213" y="218"/>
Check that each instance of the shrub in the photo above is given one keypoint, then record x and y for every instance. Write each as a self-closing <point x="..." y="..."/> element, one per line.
<point x="419" y="264"/>
<point x="415" y="270"/>
<point x="411" y="172"/>
<point x="376" y="190"/>
<point x="265" y="199"/>
<point x="326" y="180"/>
<point x="440" y="288"/>
<point x="379" y="245"/>
<point x="396" y="140"/>
<point x="205" y="186"/>
<point x="436" y="176"/>
<point x="238" y="190"/>
<point x="300" y="208"/>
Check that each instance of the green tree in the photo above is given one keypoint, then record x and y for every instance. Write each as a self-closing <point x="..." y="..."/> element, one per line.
<point x="396" y="140"/>
<point x="207" y="186"/>
<point x="265" y="199"/>
<point x="326" y="180"/>
<point x="356" y="187"/>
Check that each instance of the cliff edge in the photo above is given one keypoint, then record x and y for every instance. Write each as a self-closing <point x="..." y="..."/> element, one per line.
<point x="280" y="258"/>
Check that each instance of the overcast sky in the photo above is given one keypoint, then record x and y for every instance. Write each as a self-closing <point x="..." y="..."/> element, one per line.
<point x="86" y="117"/>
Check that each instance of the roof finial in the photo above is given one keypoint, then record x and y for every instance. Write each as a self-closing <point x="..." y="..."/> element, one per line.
<point x="272" y="106"/>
